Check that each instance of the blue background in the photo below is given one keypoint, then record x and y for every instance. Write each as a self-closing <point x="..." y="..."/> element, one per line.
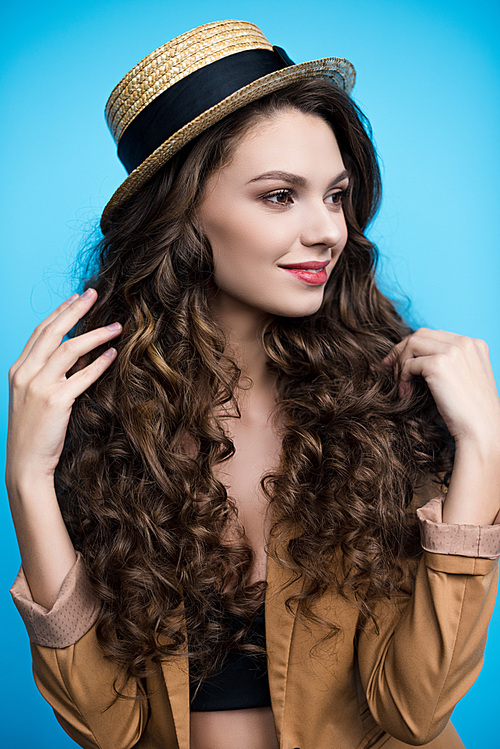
<point x="428" y="79"/>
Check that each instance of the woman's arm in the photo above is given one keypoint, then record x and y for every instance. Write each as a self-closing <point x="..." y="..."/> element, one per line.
<point x="77" y="682"/>
<point x="458" y="373"/>
<point x="47" y="553"/>
<point x="70" y="669"/>
<point x="430" y="645"/>
<point x="473" y="496"/>
<point x="41" y="398"/>
<point x="52" y="591"/>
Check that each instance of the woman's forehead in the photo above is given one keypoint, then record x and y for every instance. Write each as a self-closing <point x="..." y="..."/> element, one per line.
<point x="286" y="141"/>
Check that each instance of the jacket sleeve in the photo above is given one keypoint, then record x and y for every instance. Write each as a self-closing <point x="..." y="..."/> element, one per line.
<point x="430" y="643"/>
<point x="71" y="671"/>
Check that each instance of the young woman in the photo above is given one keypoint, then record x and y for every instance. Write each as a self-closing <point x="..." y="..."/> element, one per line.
<point x="267" y="517"/>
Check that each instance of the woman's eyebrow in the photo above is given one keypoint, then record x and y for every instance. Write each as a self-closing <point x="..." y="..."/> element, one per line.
<point x="295" y="179"/>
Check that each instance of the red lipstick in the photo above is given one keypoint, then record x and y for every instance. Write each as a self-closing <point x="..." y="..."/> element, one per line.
<point x="308" y="265"/>
<point x="312" y="272"/>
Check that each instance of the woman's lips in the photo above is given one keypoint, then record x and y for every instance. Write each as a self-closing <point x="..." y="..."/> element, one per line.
<point x="315" y="278"/>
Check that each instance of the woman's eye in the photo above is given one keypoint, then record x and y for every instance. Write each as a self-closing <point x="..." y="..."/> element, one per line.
<point x="281" y="197"/>
<point x="338" y="197"/>
<point x="285" y="197"/>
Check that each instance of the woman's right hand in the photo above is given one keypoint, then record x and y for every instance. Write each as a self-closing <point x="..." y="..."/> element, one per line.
<point x="41" y="396"/>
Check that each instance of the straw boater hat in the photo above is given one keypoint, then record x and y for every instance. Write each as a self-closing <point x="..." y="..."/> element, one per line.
<point x="193" y="81"/>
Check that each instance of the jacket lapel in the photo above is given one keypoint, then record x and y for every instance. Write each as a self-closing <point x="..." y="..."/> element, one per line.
<point x="176" y="675"/>
<point x="279" y="630"/>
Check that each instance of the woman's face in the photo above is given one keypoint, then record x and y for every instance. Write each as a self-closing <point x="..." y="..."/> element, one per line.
<point x="278" y="202"/>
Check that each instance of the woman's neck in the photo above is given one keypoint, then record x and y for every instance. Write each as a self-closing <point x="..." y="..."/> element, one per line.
<point x="241" y="325"/>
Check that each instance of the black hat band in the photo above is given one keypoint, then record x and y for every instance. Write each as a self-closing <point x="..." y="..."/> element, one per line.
<point x="190" y="97"/>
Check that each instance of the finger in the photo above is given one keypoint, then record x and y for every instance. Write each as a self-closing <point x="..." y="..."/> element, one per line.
<point x="425" y="347"/>
<point x="395" y="352"/>
<point x="459" y="351"/>
<point x="37" y="330"/>
<point x="441" y="336"/>
<point x="51" y="334"/>
<point x="424" y="342"/>
<point x="69" y="352"/>
<point x="410" y="369"/>
<point x="419" y="365"/>
<point x="81" y="380"/>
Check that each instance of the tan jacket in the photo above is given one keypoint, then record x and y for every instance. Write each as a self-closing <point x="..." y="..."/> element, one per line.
<point x="362" y="690"/>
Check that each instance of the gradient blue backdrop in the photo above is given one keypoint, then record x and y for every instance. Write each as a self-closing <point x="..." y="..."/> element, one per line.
<point x="428" y="79"/>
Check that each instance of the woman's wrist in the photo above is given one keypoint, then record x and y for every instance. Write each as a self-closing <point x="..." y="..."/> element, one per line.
<point x="24" y="485"/>
<point x="474" y="493"/>
<point x="46" y="549"/>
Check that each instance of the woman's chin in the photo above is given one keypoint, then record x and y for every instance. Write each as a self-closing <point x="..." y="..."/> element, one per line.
<point x="300" y="309"/>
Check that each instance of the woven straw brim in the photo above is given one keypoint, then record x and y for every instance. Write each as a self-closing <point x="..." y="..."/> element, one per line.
<point x="338" y="70"/>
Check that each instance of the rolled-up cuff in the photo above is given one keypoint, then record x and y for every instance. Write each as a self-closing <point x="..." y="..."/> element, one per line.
<point x="454" y="538"/>
<point x="74" y="612"/>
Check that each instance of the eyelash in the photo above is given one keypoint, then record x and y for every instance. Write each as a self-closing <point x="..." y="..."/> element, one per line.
<point x="341" y="194"/>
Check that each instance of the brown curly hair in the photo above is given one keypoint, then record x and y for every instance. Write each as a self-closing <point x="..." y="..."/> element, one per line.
<point x="353" y="451"/>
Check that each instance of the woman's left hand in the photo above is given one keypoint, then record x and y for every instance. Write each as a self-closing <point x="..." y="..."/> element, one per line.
<point x="458" y="372"/>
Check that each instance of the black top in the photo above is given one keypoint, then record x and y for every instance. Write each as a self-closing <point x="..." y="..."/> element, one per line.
<point x="242" y="681"/>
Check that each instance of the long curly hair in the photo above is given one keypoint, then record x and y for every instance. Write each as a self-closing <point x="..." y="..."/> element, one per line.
<point x="151" y="520"/>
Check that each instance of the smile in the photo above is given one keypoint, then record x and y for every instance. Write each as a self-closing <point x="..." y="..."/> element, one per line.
<point x="313" y="277"/>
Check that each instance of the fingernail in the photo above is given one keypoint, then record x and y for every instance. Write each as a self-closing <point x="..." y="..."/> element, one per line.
<point x="114" y="326"/>
<point x="72" y="298"/>
<point x="87" y="294"/>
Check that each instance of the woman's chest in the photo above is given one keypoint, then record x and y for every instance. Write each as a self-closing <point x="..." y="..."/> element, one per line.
<point x="257" y="451"/>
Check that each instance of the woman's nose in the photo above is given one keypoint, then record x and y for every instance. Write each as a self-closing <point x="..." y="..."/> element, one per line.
<point x="322" y="227"/>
